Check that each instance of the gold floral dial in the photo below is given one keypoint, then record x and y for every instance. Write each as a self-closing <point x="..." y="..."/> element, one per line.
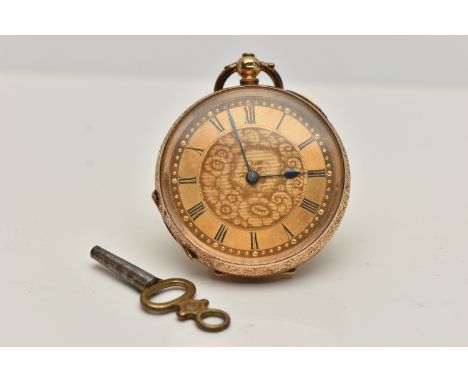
<point x="251" y="176"/>
<point x="235" y="201"/>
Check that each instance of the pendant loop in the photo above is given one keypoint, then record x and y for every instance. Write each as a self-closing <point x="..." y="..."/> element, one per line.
<point x="248" y="67"/>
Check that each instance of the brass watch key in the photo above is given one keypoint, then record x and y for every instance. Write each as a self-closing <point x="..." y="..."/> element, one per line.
<point x="150" y="286"/>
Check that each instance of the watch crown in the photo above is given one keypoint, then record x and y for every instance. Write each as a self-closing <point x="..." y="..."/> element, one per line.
<point x="248" y="67"/>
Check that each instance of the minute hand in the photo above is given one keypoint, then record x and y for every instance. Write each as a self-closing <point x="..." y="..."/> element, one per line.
<point x="233" y="124"/>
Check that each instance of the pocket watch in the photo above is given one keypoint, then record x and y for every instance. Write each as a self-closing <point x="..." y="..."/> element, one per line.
<point x="252" y="180"/>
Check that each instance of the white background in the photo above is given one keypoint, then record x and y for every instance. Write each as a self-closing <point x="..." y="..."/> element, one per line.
<point x="81" y="122"/>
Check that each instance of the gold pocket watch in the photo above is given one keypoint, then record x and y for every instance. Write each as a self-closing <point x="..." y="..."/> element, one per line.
<point x="252" y="180"/>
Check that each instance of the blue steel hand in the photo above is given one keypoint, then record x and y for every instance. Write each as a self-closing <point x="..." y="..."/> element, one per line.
<point x="233" y="124"/>
<point x="289" y="174"/>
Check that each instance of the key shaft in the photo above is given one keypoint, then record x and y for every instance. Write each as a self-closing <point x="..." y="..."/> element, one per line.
<point x="131" y="274"/>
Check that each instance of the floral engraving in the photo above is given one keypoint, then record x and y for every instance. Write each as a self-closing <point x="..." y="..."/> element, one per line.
<point x="226" y="190"/>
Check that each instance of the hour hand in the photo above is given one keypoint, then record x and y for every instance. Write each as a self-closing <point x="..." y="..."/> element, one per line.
<point x="288" y="174"/>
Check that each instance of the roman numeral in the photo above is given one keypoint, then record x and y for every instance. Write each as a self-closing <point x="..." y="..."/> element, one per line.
<point x="192" y="180"/>
<point x="305" y="143"/>
<point x="315" y="173"/>
<point x="253" y="240"/>
<point x="281" y="121"/>
<point x="288" y="232"/>
<point x="309" y="205"/>
<point x="249" y="114"/>
<point x="217" y="124"/>
<point x="221" y="234"/>
<point x="200" y="151"/>
<point x="196" y="210"/>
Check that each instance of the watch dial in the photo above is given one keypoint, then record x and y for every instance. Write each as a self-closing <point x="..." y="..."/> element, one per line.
<point x="252" y="174"/>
